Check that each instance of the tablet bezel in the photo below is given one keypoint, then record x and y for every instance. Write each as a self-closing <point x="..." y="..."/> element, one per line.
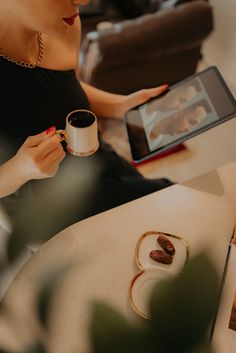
<point x="137" y="158"/>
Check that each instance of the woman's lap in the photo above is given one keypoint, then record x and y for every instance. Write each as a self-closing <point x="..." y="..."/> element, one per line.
<point x="111" y="181"/>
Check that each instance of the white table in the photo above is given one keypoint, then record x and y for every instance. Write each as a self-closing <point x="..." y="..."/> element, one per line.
<point x="209" y="150"/>
<point x="203" y="211"/>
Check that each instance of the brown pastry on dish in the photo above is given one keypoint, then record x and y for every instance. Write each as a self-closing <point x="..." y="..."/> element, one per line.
<point x="161" y="257"/>
<point x="166" y="244"/>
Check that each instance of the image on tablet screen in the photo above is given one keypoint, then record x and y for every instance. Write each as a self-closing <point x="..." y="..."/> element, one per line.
<point x="183" y="110"/>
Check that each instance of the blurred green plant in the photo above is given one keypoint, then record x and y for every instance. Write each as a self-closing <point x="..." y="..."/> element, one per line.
<point x="182" y="308"/>
<point x="182" y="312"/>
<point x="56" y="202"/>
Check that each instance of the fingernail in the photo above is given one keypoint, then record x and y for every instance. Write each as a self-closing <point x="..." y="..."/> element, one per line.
<point x="51" y="129"/>
<point x="165" y="85"/>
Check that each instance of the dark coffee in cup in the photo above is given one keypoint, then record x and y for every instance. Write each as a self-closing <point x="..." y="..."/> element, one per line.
<point x="81" y="119"/>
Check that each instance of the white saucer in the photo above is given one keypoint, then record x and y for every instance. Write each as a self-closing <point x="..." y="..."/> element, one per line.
<point x="141" y="288"/>
<point x="150" y="271"/>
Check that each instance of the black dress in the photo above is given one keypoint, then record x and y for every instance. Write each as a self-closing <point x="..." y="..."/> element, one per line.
<point x="32" y="100"/>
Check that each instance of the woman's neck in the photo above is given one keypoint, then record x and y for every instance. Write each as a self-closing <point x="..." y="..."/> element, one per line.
<point x="17" y="41"/>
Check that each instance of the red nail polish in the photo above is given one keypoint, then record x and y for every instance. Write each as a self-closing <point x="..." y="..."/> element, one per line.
<point x="51" y="129"/>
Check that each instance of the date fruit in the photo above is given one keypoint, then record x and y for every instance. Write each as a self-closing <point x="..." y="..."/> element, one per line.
<point x="161" y="257"/>
<point x="166" y="244"/>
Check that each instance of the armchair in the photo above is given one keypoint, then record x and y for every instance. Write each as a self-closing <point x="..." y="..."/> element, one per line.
<point x="152" y="49"/>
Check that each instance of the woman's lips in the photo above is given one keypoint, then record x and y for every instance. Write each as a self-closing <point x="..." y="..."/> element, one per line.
<point x="70" y="20"/>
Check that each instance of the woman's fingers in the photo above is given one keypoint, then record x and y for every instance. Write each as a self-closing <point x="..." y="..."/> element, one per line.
<point x="35" y="140"/>
<point x="50" y="163"/>
<point x="46" y="147"/>
<point x="144" y="95"/>
<point x="45" y="152"/>
<point x="39" y="156"/>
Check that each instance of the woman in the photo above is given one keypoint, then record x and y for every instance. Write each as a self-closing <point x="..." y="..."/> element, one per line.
<point x="39" y="42"/>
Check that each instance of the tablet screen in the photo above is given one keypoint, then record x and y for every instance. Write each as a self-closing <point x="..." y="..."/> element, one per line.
<point x="188" y="108"/>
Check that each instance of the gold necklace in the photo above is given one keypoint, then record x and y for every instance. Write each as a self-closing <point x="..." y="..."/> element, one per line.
<point x="27" y="63"/>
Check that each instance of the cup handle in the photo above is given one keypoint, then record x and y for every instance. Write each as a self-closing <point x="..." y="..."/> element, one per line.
<point x="62" y="134"/>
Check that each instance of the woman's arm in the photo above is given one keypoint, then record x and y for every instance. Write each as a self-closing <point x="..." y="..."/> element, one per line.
<point x="38" y="158"/>
<point x="10" y="180"/>
<point x="109" y="105"/>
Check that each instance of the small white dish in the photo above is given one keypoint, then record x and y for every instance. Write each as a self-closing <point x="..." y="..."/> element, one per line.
<point x="151" y="272"/>
<point x="141" y="288"/>
<point x="148" y="242"/>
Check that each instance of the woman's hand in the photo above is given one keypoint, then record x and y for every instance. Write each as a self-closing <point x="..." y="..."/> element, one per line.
<point x="110" y="105"/>
<point x="39" y="156"/>
<point x="134" y="99"/>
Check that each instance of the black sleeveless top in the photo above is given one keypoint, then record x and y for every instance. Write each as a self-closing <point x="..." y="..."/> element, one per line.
<point x="32" y="100"/>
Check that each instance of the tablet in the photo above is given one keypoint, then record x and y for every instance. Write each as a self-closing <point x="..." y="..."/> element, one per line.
<point x="186" y="109"/>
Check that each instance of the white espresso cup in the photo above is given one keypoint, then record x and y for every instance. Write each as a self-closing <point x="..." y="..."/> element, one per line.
<point x="81" y="132"/>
